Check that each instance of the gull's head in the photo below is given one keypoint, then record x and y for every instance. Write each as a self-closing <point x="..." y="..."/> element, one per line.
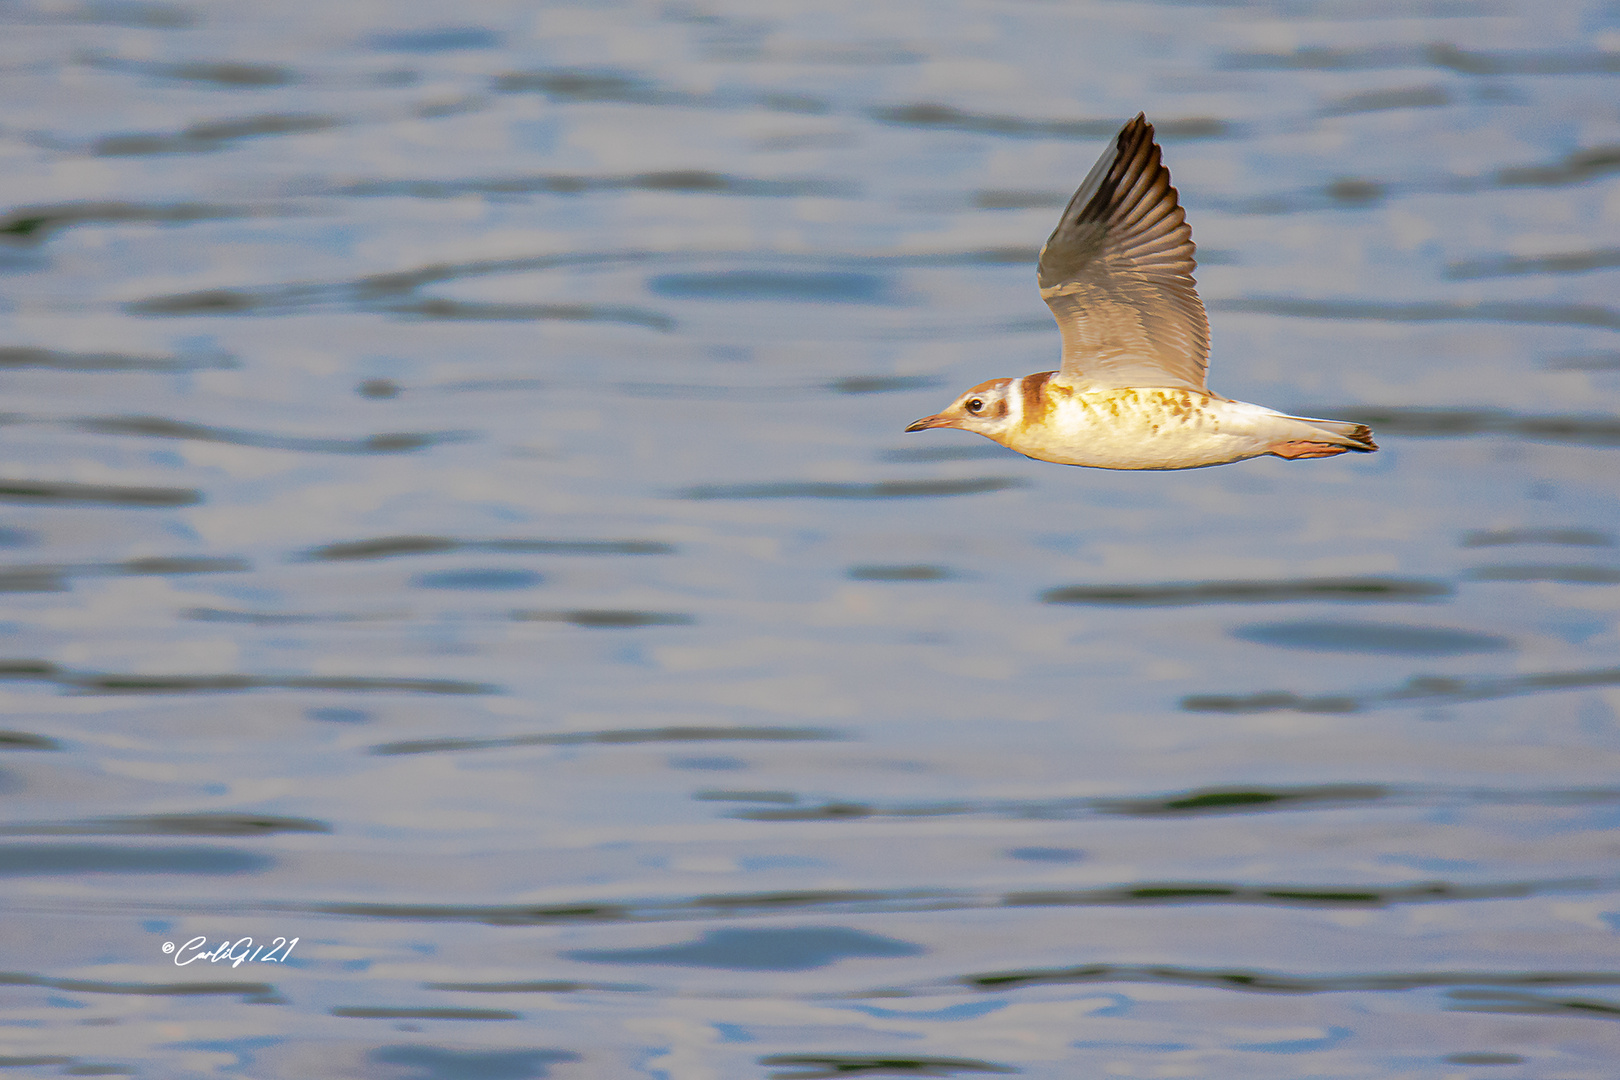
<point x="986" y="409"/>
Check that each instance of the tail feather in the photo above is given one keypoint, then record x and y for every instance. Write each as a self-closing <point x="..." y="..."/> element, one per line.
<point x="1349" y="435"/>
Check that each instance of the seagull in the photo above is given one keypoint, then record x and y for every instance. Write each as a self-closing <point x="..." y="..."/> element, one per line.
<point x="1117" y="274"/>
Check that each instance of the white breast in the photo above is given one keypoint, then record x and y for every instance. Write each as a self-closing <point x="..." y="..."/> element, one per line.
<point x="1142" y="429"/>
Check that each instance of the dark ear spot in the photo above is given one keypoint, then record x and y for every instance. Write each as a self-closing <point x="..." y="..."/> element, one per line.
<point x="999" y="409"/>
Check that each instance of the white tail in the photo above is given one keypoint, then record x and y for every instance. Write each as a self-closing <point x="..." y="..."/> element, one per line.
<point x="1351" y="436"/>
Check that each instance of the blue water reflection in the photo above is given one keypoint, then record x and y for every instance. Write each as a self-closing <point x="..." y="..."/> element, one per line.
<point x="781" y="949"/>
<point x="457" y="516"/>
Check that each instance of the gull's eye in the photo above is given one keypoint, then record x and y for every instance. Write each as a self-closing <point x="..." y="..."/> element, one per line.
<point x="975" y="404"/>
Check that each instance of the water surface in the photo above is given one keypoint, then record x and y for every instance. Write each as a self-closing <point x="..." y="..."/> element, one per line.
<point x="455" y="512"/>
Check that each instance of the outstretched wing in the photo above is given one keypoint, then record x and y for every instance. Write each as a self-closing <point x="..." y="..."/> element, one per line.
<point x="1117" y="274"/>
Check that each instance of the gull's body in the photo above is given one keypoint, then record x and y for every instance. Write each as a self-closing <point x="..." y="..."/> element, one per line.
<point x="1117" y="274"/>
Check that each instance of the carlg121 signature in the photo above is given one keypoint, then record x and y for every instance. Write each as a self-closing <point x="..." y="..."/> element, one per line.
<point x="238" y="952"/>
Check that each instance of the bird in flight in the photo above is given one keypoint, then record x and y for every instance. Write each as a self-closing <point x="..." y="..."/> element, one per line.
<point x="1117" y="274"/>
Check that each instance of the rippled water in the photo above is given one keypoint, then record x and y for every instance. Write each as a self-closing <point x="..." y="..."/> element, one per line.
<point x="456" y="515"/>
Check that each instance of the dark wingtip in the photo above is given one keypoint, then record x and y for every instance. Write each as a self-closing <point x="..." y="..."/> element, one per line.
<point x="1136" y="150"/>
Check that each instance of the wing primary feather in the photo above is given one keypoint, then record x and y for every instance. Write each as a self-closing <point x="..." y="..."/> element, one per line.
<point x="1117" y="274"/>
